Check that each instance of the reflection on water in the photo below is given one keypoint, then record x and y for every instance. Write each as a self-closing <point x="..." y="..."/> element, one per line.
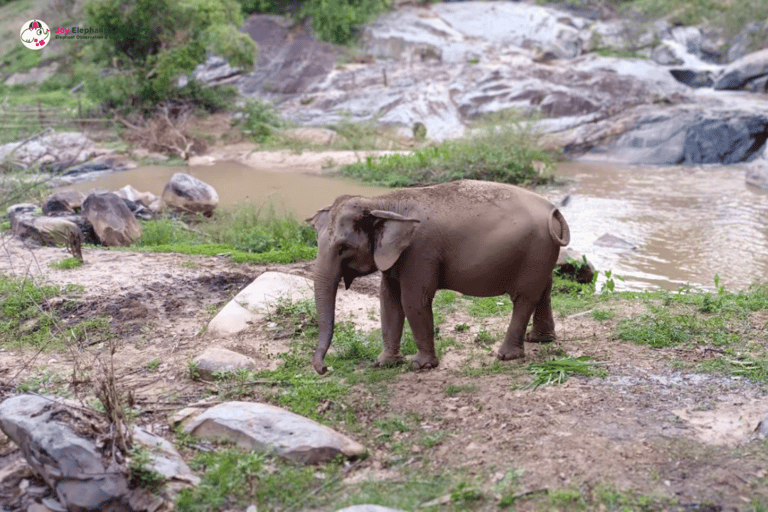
<point x="302" y="194"/>
<point x="689" y="223"/>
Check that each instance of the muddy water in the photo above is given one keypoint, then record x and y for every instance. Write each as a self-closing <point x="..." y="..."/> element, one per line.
<point x="302" y="194"/>
<point x="687" y="223"/>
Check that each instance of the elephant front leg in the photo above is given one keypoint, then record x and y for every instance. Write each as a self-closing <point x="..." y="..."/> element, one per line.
<point x="418" y="310"/>
<point x="392" y="320"/>
<point x="514" y="344"/>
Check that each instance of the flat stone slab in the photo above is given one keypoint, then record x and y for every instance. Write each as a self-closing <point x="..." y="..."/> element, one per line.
<point x="215" y="359"/>
<point x="255" y="426"/>
<point x="250" y="305"/>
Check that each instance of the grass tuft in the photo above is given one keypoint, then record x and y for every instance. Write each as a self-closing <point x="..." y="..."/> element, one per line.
<point x="558" y="371"/>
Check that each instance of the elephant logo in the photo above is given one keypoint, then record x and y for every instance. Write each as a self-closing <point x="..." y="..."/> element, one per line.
<point x="35" y="34"/>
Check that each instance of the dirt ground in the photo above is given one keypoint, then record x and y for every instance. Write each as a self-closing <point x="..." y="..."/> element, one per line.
<point x="646" y="428"/>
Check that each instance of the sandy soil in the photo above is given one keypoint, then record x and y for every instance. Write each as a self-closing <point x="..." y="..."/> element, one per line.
<point x="647" y="427"/>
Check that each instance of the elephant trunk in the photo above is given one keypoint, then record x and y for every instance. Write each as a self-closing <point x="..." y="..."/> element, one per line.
<point x="326" y="285"/>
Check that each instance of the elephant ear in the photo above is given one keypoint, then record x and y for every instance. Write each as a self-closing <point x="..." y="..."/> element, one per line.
<point x="394" y="234"/>
<point x="320" y="219"/>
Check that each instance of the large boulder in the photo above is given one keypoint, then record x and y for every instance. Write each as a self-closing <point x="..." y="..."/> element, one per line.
<point x="112" y="220"/>
<point x="190" y="195"/>
<point x="250" y="305"/>
<point x="255" y="426"/>
<point x="738" y="73"/>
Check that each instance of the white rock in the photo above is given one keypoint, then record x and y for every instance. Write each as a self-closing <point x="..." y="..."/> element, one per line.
<point x="215" y="359"/>
<point x="250" y="305"/>
<point x="265" y="427"/>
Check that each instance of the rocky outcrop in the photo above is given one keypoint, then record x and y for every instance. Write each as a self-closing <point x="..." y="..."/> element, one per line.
<point x="112" y="220"/>
<point x="57" y="149"/>
<point x="190" y="195"/>
<point x="255" y="426"/>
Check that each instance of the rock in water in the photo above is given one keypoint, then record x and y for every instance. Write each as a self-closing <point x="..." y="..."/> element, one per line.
<point x="189" y="194"/>
<point x="112" y="221"/>
<point x="266" y="427"/>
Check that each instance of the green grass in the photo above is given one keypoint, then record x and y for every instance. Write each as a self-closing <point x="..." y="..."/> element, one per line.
<point x="503" y="150"/>
<point x="246" y="234"/>
<point x="28" y="321"/>
<point x="66" y="264"/>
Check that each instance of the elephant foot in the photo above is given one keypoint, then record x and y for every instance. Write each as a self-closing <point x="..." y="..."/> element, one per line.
<point x="509" y="353"/>
<point x="386" y="360"/>
<point x="422" y="361"/>
<point x="540" y="337"/>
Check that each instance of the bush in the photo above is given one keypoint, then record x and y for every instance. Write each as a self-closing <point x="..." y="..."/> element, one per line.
<point x="336" y="21"/>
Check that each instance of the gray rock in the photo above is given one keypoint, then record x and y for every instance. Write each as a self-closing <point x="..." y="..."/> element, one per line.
<point x="46" y="230"/>
<point x="72" y="198"/>
<point x="666" y="55"/>
<point x="100" y="165"/>
<point x="685" y="137"/>
<point x="614" y="242"/>
<point x="265" y="427"/>
<point x="60" y="148"/>
<point x="113" y="223"/>
<point x="762" y="428"/>
<point x="215" y="359"/>
<point x="693" y="78"/>
<point x="189" y="194"/>
<point x="22" y="209"/>
<point x="747" y="68"/>
<point x="54" y="206"/>
<point x="131" y="194"/>
<point x="81" y="477"/>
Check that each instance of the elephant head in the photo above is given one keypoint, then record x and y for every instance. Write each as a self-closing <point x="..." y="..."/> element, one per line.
<point x="354" y="239"/>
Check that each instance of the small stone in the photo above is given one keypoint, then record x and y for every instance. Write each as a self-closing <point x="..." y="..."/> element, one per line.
<point x="215" y="359"/>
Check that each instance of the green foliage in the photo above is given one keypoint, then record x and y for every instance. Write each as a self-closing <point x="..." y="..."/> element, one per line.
<point x="149" y="45"/>
<point x="454" y="389"/>
<point x="503" y="150"/>
<point x="336" y="21"/>
<point x="260" y="118"/>
<point x="483" y="307"/>
<point x="23" y="319"/>
<point x="557" y="371"/>
<point x="141" y="472"/>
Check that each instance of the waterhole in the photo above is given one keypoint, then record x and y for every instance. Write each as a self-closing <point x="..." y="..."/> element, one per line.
<point x="687" y="224"/>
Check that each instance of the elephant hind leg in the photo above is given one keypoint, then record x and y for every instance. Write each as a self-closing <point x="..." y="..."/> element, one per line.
<point x="513" y="345"/>
<point x="543" y="330"/>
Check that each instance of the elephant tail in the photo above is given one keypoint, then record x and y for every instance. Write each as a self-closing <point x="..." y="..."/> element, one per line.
<point x="558" y="228"/>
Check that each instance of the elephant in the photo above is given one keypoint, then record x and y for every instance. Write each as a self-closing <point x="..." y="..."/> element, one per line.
<point x="475" y="237"/>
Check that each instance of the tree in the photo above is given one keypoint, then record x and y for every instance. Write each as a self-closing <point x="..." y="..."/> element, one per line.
<point x="150" y="44"/>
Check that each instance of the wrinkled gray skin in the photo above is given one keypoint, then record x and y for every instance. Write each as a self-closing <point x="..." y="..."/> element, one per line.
<point x="477" y="238"/>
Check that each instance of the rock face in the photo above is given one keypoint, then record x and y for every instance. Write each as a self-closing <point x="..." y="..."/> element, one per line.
<point x="265" y="427"/>
<point x="747" y="69"/>
<point x="189" y="194"/>
<point x="112" y="221"/>
<point x="82" y="477"/>
<point x="249" y="305"/>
